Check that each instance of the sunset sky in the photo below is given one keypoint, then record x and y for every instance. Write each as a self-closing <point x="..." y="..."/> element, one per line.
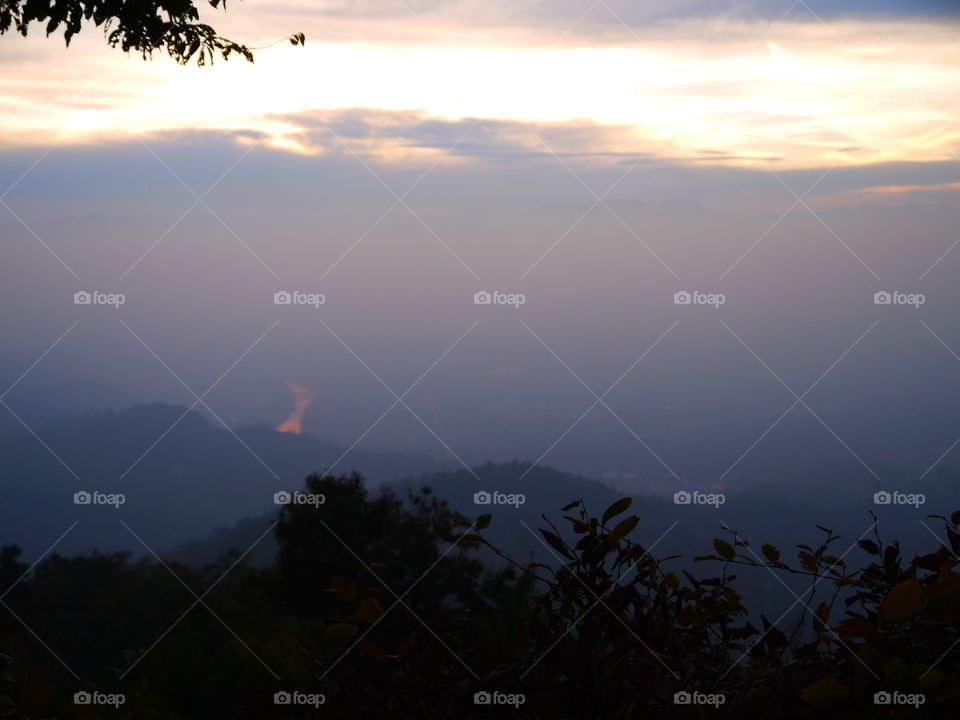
<point x="795" y="83"/>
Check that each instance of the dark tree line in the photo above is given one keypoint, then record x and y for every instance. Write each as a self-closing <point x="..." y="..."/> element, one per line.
<point x="383" y="605"/>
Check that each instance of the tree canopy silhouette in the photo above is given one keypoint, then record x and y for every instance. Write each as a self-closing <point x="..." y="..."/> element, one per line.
<point x="381" y="604"/>
<point x="141" y="26"/>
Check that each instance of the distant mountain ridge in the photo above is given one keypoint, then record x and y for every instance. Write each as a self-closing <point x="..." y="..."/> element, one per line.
<point x="670" y="529"/>
<point x="181" y="474"/>
<point x="196" y="491"/>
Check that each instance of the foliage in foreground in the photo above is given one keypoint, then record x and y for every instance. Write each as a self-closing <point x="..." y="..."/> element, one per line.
<point x="142" y="26"/>
<point x="381" y="605"/>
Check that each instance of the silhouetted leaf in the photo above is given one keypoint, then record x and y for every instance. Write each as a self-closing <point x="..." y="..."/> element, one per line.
<point x="902" y="600"/>
<point x="483" y="521"/>
<point x="369" y="609"/>
<point x="954" y="540"/>
<point x="891" y="554"/>
<point x="821" y="616"/>
<point x="340" y="631"/>
<point x="344" y="589"/>
<point x="774" y="637"/>
<point x="557" y="543"/>
<point x="579" y="526"/>
<point x="870" y="547"/>
<point x="771" y="553"/>
<point x="618" y="507"/>
<point x="855" y="627"/>
<point x="623" y="528"/>
<point x="724" y="549"/>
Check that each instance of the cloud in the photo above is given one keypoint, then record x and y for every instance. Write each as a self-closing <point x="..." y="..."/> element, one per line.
<point x="402" y="145"/>
<point x="405" y="135"/>
<point x="614" y="12"/>
<point x="573" y="21"/>
<point x="930" y="193"/>
<point x="749" y="137"/>
<point x="702" y="85"/>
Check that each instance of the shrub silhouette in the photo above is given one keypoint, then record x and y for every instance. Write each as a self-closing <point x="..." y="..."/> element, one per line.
<point x="615" y="634"/>
<point x="383" y="605"/>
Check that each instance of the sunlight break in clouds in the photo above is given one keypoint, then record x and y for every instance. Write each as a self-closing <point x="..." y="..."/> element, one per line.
<point x="302" y="399"/>
<point x="799" y="93"/>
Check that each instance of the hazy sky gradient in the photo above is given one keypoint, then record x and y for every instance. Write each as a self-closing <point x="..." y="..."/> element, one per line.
<point x="801" y="84"/>
<point x="400" y="290"/>
<point x="498" y="126"/>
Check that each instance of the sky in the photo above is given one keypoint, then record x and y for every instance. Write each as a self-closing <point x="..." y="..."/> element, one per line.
<point x="597" y="158"/>
<point x="796" y="83"/>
